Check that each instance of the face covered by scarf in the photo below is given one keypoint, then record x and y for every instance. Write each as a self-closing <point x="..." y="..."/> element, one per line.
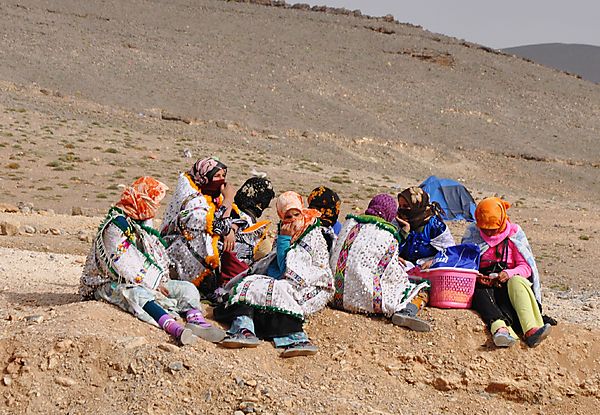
<point x="292" y="200"/>
<point x="202" y="173"/>
<point x="383" y="206"/>
<point x="491" y="214"/>
<point x="254" y="196"/>
<point x="416" y="210"/>
<point x="327" y="202"/>
<point x="140" y="200"/>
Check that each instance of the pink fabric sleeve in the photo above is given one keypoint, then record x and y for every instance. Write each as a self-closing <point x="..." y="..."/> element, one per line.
<point x="521" y="267"/>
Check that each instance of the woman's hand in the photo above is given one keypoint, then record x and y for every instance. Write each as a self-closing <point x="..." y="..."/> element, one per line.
<point x="163" y="290"/>
<point x="503" y="276"/>
<point x="427" y="264"/>
<point x="287" y="229"/>
<point x="485" y="280"/>
<point x="228" y="193"/>
<point x="229" y="241"/>
<point x="404" y="225"/>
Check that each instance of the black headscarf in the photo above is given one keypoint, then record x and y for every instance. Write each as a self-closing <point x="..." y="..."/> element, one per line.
<point x="420" y="210"/>
<point x="254" y="196"/>
<point x="327" y="202"/>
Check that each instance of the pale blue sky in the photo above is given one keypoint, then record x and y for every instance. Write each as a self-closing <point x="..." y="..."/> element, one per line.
<point x="498" y="24"/>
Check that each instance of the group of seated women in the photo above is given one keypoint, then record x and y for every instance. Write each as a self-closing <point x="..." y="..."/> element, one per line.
<point x="211" y="245"/>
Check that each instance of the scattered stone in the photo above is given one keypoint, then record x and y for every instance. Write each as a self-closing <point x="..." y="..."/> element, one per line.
<point x="28" y="229"/>
<point x="133" y="342"/>
<point x="247" y="407"/>
<point x="238" y="413"/>
<point x="498" y="386"/>
<point x="46" y="212"/>
<point x="168" y="347"/>
<point x="55" y="231"/>
<point x="63" y="345"/>
<point x="273" y="137"/>
<point x="175" y="367"/>
<point x="187" y="153"/>
<point x="76" y="211"/>
<point x="9" y="228"/>
<point x="13" y="368"/>
<point x="7" y="380"/>
<point x="65" y="381"/>
<point x="84" y="237"/>
<point x="35" y="319"/>
<point x="252" y="383"/>
<point x="8" y="208"/>
<point x="20" y="354"/>
<point x="443" y="384"/>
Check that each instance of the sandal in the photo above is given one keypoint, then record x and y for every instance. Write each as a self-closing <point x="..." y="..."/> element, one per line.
<point x="242" y="339"/>
<point x="300" y="349"/>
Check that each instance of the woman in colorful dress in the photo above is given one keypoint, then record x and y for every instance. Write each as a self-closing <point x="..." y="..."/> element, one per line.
<point x="368" y="274"/>
<point x="508" y="293"/>
<point x="128" y="266"/>
<point x="291" y="283"/>
<point x="421" y="227"/>
<point x="328" y="203"/>
<point x="199" y="226"/>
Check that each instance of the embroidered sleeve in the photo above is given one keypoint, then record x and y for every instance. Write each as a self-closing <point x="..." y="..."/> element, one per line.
<point x="127" y="262"/>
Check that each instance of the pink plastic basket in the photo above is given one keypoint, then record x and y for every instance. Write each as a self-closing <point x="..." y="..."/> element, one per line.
<point x="451" y="287"/>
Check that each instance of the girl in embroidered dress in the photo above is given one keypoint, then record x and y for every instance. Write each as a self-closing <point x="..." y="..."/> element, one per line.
<point x="368" y="274"/>
<point x="198" y="225"/>
<point x="508" y="292"/>
<point x="291" y="283"/>
<point x="128" y="266"/>
<point x="421" y="227"/>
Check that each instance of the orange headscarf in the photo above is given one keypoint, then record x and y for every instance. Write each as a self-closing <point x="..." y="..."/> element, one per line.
<point x="140" y="200"/>
<point x="292" y="200"/>
<point x="491" y="213"/>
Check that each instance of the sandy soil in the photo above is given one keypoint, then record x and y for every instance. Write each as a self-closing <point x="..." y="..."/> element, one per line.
<point x="94" y="94"/>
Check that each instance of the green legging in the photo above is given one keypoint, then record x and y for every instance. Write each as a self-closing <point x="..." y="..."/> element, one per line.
<point x="524" y="302"/>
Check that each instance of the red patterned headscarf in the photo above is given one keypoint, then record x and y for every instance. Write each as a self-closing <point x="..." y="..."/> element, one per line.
<point x="140" y="200"/>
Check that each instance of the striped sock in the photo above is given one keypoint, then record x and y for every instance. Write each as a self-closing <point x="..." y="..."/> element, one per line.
<point x="168" y="324"/>
<point x="195" y="316"/>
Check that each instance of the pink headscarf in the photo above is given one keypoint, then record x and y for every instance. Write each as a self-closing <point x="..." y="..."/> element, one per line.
<point x="292" y="200"/>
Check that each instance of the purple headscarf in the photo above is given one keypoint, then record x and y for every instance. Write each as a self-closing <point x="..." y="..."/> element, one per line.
<point x="384" y="206"/>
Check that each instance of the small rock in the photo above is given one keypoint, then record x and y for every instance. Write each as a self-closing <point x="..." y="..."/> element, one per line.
<point x="187" y="153"/>
<point x="55" y="231"/>
<point x="251" y="383"/>
<point x="25" y="210"/>
<point x="65" y="381"/>
<point x="29" y="229"/>
<point x="36" y="319"/>
<point x="8" y="208"/>
<point x="168" y="347"/>
<point x="47" y="212"/>
<point x="238" y="413"/>
<point x="175" y="366"/>
<point x="9" y="228"/>
<point x="133" y="342"/>
<point x="76" y="211"/>
<point x="84" y="237"/>
<point x="7" y="380"/>
<point x="63" y="345"/>
<point x="272" y="137"/>
<point x="20" y="354"/>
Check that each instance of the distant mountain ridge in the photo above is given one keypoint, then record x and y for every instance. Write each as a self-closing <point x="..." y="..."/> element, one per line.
<point x="583" y="60"/>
